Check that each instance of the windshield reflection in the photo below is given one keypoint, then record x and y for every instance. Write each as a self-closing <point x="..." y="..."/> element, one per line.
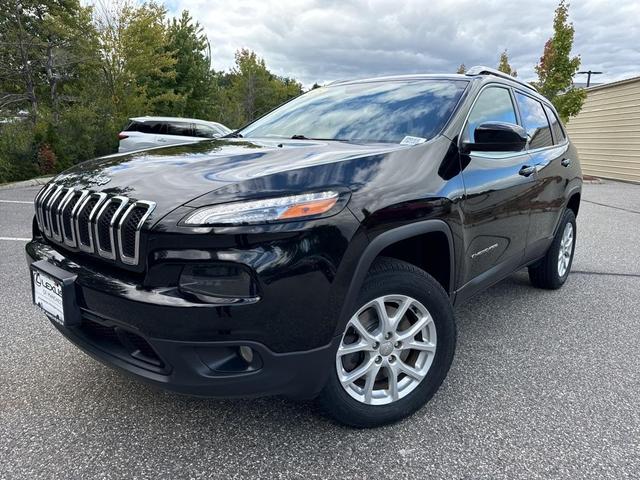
<point x="376" y="111"/>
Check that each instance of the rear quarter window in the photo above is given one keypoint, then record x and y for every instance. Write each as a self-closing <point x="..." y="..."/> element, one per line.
<point x="556" y="128"/>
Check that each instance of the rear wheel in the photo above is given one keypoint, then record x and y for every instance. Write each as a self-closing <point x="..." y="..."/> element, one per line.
<point x="553" y="269"/>
<point x="395" y="350"/>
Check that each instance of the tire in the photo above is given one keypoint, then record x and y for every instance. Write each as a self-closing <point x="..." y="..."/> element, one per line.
<point x="547" y="272"/>
<point x="428" y="312"/>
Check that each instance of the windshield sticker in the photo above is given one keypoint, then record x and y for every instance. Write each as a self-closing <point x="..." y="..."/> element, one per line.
<point x="409" y="140"/>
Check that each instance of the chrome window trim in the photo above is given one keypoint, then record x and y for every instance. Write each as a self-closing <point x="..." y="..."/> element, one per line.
<point x="136" y="248"/>
<point x="111" y="255"/>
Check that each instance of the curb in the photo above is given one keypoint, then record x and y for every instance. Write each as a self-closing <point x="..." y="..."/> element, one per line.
<point x="25" y="183"/>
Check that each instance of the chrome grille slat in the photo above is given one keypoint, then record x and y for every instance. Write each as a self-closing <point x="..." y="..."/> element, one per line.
<point x="70" y="237"/>
<point x="90" y="246"/>
<point x="56" y="210"/>
<point x="92" y="222"/>
<point x="42" y="208"/>
<point x="110" y="250"/>
<point x="133" y="260"/>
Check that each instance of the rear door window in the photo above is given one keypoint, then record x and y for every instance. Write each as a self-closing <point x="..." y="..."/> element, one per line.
<point x="179" y="128"/>
<point x="147" y="127"/>
<point x="556" y="128"/>
<point x="205" y="131"/>
<point x="534" y="121"/>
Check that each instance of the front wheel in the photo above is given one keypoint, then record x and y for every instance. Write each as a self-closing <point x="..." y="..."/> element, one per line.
<point x="396" y="348"/>
<point x="553" y="269"/>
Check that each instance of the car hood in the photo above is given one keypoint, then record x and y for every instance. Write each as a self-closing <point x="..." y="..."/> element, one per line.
<point x="176" y="175"/>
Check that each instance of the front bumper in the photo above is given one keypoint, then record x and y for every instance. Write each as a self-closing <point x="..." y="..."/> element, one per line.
<point x="185" y="347"/>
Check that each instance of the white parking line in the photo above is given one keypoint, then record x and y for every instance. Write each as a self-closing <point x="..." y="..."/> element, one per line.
<point x="14" y="239"/>
<point x="15" y="201"/>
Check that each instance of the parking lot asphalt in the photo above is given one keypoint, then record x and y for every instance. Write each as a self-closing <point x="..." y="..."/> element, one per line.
<point x="544" y="385"/>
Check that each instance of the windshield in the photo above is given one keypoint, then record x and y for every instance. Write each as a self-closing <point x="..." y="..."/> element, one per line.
<point x="374" y="111"/>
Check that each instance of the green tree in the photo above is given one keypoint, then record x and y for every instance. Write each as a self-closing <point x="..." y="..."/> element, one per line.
<point x="462" y="68"/>
<point x="194" y="79"/>
<point x="557" y="67"/>
<point x="252" y="90"/>
<point x="504" y="66"/>
<point x="136" y="61"/>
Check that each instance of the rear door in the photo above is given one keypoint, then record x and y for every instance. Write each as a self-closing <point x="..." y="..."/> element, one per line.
<point x="206" y="131"/>
<point x="499" y="189"/>
<point x="176" y="132"/>
<point x="548" y="149"/>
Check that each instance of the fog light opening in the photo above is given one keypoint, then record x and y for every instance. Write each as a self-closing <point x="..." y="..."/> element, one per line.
<point x="246" y="353"/>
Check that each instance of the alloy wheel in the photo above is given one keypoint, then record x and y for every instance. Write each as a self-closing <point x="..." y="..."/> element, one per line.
<point x="566" y="249"/>
<point x="386" y="350"/>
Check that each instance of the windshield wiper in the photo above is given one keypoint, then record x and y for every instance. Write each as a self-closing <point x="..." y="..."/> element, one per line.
<point x="234" y="135"/>
<point x="302" y="137"/>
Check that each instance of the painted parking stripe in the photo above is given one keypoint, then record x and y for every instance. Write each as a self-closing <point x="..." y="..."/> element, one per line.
<point x="16" y="201"/>
<point x="15" y="239"/>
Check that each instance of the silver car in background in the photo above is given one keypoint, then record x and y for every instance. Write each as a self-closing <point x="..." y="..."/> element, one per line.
<point x="149" y="132"/>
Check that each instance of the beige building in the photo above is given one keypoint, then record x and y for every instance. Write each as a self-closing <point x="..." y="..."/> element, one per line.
<point x="607" y="131"/>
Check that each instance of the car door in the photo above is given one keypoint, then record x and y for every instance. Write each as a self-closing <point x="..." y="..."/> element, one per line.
<point x="206" y="131"/>
<point x="499" y="188"/>
<point x="548" y="149"/>
<point x="176" y="132"/>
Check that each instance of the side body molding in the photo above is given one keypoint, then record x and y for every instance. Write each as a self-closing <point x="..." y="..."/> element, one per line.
<point x="378" y="244"/>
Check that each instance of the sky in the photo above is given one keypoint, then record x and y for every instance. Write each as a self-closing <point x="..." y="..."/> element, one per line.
<point x="325" y="40"/>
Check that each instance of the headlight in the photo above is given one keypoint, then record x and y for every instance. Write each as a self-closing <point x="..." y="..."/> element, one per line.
<point x="293" y="207"/>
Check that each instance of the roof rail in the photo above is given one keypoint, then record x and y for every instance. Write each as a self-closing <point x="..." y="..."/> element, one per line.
<point x="482" y="70"/>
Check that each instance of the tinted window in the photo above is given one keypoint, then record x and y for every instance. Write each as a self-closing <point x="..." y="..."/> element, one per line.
<point x="205" y="131"/>
<point x="147" y="127"/>
<point x="373" y="111"/>
<point x="179" y="128"/>
<point x="556" y="128"/>
<point x="534" y="121"/>
<point x="493" y="105"/>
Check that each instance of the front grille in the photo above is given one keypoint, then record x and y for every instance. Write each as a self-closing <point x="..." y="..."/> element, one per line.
<point x="92" y="222"/>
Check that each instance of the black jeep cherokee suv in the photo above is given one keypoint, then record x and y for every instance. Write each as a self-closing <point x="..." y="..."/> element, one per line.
<point x="318" y="251"/>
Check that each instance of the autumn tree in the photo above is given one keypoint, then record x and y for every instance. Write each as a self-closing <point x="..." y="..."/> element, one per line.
<point x="557" y="67"/>
<point x="504" y="66"/>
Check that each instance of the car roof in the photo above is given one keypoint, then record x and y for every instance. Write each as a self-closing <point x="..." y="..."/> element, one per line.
<point x="403" y="78"/>
<point x="484" y="74"/>
<point x="174" y="119"/>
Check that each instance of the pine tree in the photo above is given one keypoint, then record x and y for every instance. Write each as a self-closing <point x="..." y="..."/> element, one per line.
<point x="504" y="66"/>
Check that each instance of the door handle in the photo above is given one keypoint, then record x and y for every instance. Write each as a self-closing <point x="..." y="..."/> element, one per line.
<point x="565" y="162"/>
<point x="527" y="170"/>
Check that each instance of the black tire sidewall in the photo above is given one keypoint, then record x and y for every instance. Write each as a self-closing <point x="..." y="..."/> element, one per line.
<point x="554" y="252"/>
<point x="416" y="284"/>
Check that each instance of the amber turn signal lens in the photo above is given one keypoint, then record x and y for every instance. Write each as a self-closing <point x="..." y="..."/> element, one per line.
<point x="310" y="208"/>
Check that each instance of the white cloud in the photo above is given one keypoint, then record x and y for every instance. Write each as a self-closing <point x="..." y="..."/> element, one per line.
<point x="315" y="40"/>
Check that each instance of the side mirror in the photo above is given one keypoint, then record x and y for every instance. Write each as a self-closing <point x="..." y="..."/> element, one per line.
<point x="497" y="137"/>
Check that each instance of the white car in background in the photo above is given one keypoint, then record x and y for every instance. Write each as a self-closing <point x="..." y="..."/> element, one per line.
<point x="148" y="132"/>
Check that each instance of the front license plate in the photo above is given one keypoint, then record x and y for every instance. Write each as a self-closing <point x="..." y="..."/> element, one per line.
<point x="48" y="295"/>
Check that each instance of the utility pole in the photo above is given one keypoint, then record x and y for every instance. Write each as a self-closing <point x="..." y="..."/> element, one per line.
<point x="588" y="73"/>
